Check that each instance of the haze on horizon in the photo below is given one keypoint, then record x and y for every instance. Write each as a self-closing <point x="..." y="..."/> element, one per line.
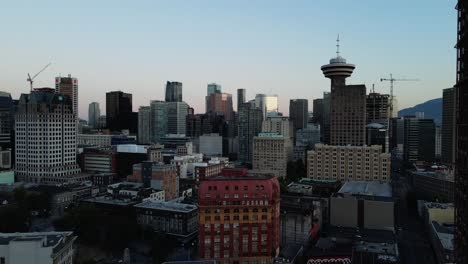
<point x="274" y="47"/>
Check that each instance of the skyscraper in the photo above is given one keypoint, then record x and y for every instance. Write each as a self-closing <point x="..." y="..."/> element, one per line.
<point x="68" y="86"/>
<point x="158" y="120"/>
<point x="419" y="139"/>
<point x="347" y="104"/>
<point x="250" y="124"/>
<point x="240" y="98"/>
<point x="378" y="108"/>
<point x="177" y="117"/>
<point x="448" y="125"/>
<point x="118" y="106"/>
<point x="213" y="88"/>
<point x="173" y="92"/>
<point x="45" y="135"/>
<point x="144" y="125"/>
<point x="267" y="103"/>
<point x="239" y="218"/>
<point x="318" y="111"/>
<point x="325" y="129"/>
<point x="461" y="179"/>
<point x="6" y="120"/>
<point x="299" y="113"/>
<point x="94" y="112"/>
<point x="220" y="103"/>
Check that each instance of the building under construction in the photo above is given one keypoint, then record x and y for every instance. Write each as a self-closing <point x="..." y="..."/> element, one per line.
<point x="461" y="180"/>
<point x="378" y="108"/>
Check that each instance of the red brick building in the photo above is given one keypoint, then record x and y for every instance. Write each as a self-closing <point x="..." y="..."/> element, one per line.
<point x="157" y="176"/>
<point x="239" y="218"/>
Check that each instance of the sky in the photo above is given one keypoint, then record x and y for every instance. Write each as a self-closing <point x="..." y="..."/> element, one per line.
<point x="264" y="46"/>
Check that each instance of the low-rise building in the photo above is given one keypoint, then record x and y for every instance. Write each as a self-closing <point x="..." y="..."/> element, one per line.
<point x="103" y="179"/>
<point x="172" y="218"/>
<point x="434" y="182"/>
<point x="63" y="196"/>
<point x="439" y="220"/>
<point x="363" y="204"/>
<point x="99" y="160"/>
<point x="205" y="170"/>
<point x="37" y="248"/>
<point x="349" y="163"/>
<point x="186" y="164"/>
<point x="104" y="140"/>
<point x="157" y="176"/>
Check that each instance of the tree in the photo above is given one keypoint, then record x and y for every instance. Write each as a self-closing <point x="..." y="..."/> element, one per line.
<point x="13" y="219"/>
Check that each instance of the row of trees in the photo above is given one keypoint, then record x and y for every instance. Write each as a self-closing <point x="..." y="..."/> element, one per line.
<point x="16" y="216"/>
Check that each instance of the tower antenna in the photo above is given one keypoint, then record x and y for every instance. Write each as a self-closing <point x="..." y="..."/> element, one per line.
<point x="338" y="46"/>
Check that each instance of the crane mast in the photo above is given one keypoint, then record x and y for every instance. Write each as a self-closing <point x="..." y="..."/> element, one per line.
<point x="31" y="79"/>
<point x="392" y="80"/>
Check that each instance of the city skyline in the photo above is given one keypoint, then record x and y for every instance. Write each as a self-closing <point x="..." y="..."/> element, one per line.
<point x="137" y="48"/>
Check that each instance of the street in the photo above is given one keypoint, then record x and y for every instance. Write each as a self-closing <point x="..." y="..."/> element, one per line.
<point x="413" y="240"/>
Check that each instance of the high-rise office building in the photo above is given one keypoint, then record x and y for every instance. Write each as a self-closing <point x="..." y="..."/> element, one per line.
<point x="378" y="108"/>
<point x="250" y="124"/>
<point x="68" y="86"/>
<point x="173" y="92"/>
<point x="448" y="125"/>
<point x="177" y="117"/>
<point x="347" y="104"/>
<point x="158" y="120"/>
<point x="239" y="218"/>
<point x="419" y="139"/>
<point x="213" y="88"/>
<point x="461" y="178"/>
<point x="299" y="113"/>
<point x="220" y="103"/>
<point x="240" y="98"/>
<point x="279" y="124"/>
<point x="45" y="136"/>
<point x="94" y="112"/>
<point x="267" y="103"/>
<point x="144" y="125"/>
<point x="325" y="128"/>
<point x="438" y="142"/>
<point x="318" y="111"/>
<point x="118" y="106"/>
<point x="6" y="120"/>
<point x="271" y="153"/>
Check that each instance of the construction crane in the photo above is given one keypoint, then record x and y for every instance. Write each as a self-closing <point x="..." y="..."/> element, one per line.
<point x="31" y="79"/>
<point x="392" y="80"/>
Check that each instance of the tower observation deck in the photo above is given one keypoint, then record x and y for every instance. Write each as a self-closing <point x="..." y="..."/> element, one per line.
<point x="338" y="70"/>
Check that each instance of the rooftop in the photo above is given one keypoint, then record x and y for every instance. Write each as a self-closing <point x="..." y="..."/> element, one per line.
<point x="444" y="234"/>
<point x="167" y="206"/>
<point x="51" y="239"/>
<point x="111" y="201"/>
<point x="370" y="188"/>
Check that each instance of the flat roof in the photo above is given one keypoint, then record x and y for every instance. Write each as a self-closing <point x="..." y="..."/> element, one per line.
<point x="445" y="234"/>
<point x="247" y="177"/>
<point x="167" y="206"/>
<point x="371" y="188"/>
<point x="110" y="200"/>
<point x="51" y="238"/>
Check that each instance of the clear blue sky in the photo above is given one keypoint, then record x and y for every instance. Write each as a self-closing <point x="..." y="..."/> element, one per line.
<point x="265" y="46"/>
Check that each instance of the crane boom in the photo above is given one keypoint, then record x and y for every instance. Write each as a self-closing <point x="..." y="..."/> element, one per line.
<point x="392" y="80"/>
<point x="31" y="79"/>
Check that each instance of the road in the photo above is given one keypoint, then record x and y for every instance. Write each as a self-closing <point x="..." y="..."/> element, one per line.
<point x="413" y="239"/>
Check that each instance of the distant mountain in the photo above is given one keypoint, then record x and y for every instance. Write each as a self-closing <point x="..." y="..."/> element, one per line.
<point x="432" y="109"/>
